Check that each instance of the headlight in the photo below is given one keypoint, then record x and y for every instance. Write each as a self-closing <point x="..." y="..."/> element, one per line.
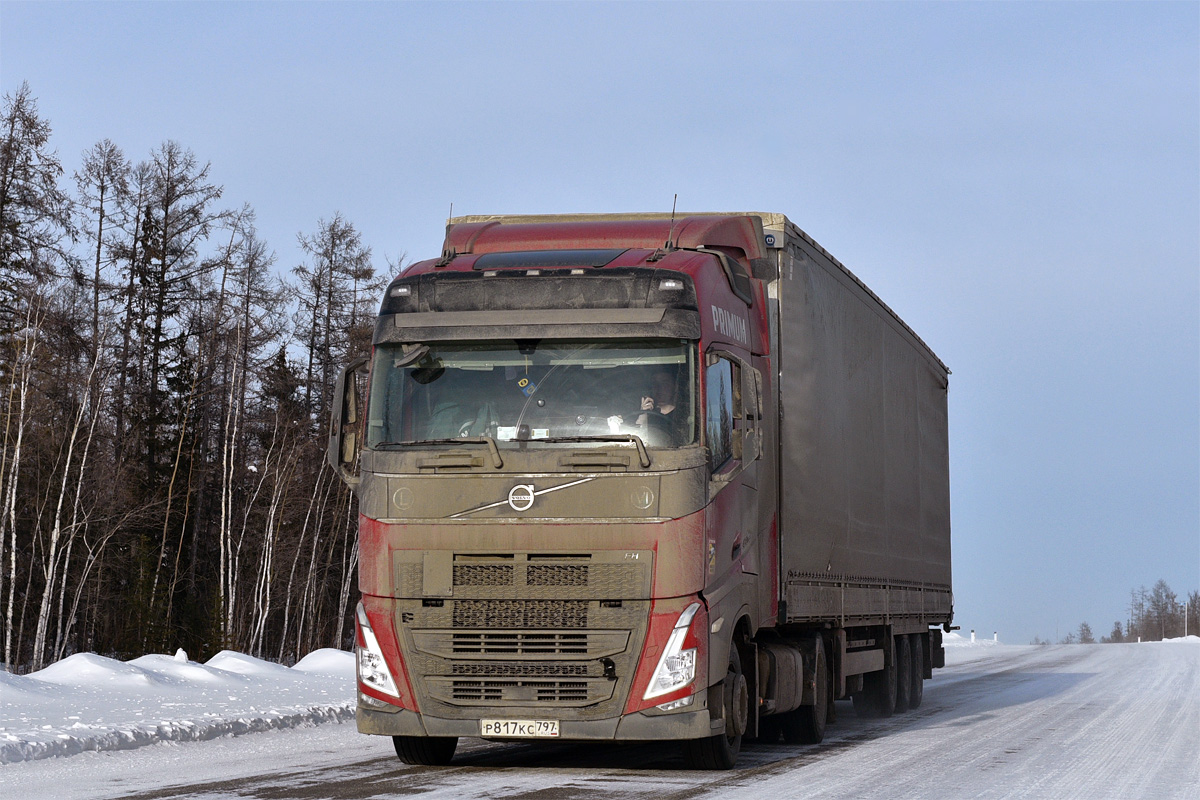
<point x="677" y="666"/>
<point x="372" y="668"/>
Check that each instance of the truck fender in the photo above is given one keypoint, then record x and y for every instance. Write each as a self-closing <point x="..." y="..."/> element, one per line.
<point x="718" y="654"/>
<point x="731" y="627"/>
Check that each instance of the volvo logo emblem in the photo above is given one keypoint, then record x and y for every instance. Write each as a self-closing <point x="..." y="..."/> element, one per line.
<point x="520" y="497"/>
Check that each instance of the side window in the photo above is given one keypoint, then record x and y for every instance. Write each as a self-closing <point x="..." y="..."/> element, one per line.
<point x="723" y="405"/>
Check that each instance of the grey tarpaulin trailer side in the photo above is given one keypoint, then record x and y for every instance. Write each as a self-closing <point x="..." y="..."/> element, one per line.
<point x="864" y="457"/>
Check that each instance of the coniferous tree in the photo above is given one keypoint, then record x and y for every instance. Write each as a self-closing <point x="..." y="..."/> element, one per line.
<point x="103" y="185"/>
<point x="337" y="284"/>
<point x="35" y="213"/>
<point x="162" y="477"/>
<point x="36" y="233"/>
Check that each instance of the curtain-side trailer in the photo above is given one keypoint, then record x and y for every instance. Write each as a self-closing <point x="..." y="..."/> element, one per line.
<point x="641" y="477"/>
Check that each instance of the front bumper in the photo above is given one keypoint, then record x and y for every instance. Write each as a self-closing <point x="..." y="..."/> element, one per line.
<point x="640" y="726"/>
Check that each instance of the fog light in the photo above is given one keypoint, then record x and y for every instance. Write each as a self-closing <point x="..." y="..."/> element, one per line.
<point x="674" y="704"/>
<point x="371" y="702"/>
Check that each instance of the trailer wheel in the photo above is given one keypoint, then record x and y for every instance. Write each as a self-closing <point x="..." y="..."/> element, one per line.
<point x="878" y="697"/>
<point x="425" y="751"/>
<point x="806" y="725"/>
<point x="903" y="674"/>
<point x="721" y="751"/>
<point x="917" y="691"/>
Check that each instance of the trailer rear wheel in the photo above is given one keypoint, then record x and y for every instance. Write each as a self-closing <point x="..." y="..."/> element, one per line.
<point x="806" y="725"/>
<point x="721" y="751"/>
<point x="878" y="696"/>
<point x="425" y="751"/>
<point x="903" y="674"/>
<point x="917" y="691"/>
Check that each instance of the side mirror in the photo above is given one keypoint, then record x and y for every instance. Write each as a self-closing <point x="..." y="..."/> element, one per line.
<point x="343" y="434"/>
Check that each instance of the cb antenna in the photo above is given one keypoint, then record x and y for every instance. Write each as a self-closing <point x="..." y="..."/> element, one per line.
<point x="671" y="230"/>
<point x="451" y="213"/>
<point x="661" y="252"/>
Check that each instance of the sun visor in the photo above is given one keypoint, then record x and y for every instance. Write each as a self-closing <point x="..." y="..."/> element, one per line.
<point x="591" y="323"/>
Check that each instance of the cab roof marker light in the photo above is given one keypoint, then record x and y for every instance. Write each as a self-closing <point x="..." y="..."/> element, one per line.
<point x="489" y="273"/>
<point x="676" y="667"/>
<point x="579" y="272"/>
<point x="670" y="285"/>
<point x="372" y="667"/>
<point x="532" y="272"/>
<point x="400" y="291"/>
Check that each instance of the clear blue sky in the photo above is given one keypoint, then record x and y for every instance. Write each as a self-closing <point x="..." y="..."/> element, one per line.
<point x="1020" y="181"/>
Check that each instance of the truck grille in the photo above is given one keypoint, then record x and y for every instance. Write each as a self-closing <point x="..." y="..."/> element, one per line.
<point x="560" y="644"/>
<point x="522" y="630"/>
<point x="483" y="575"/>
<point x="523" y="670"/>
<point x="520" y="614"/>
<point x="556" y="692"/>
<point x="535" y="575"/>
<point x="525" y="643"/>
<point x="501" y="577"/>
<point x="556" y="575"/>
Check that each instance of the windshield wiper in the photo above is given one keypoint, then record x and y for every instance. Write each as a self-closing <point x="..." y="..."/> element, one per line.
<point x="497" y="462"/>
<point x="602" y="437"/>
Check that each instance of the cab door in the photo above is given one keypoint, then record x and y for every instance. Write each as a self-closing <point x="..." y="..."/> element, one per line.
<point x="732" y="416"/>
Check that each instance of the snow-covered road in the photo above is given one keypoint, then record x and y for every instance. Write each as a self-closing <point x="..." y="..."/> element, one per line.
<point x="1076" y="721"/>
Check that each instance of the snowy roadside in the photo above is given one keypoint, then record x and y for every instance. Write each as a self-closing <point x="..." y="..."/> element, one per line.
<point x="960" y="650"/>
<point x="88" y="702"/>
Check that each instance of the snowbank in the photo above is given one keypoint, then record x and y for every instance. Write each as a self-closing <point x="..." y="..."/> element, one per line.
<point x="953" y="639"/>
<point x="960" y="650"/>
<point x="88" y="702"/>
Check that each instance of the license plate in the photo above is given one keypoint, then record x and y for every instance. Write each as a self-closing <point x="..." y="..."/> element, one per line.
<point x="519" y="728"/>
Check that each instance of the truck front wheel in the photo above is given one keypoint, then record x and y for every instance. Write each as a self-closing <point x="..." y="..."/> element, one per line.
<point x="425" y="751"/>
<point x="721" y="751"/>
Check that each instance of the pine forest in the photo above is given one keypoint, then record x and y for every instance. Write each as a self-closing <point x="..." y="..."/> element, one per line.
<point x="164" y="405"/>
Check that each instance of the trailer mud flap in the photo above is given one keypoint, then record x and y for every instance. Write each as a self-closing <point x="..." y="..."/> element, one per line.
<point x="937" y="653"/>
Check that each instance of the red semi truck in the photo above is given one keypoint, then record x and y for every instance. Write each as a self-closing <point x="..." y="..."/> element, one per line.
<point x="642" y="477"/>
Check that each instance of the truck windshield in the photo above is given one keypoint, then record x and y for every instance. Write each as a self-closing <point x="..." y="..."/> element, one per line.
<point x="529" y="390"/>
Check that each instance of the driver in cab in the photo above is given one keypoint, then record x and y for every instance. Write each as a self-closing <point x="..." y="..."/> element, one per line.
<point x="658" y="397"/>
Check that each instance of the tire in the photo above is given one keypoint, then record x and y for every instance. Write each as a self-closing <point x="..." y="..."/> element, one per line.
<point x="721" y="751"/>
<point x="916" y="692"/>
<point x="903" y="673"/>
<point x="806" y="725"/>
<point x="878" y="697"/>
<point x="425" y="751"/>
